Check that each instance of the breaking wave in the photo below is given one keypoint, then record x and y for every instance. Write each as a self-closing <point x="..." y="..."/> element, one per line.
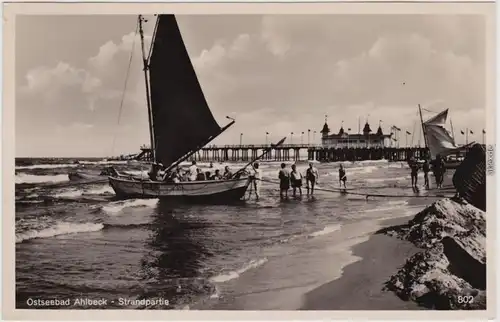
<point x="61" y="228"/>
<point x="235" y="274"/>
<point x="115" y="207"/>
<point x="32" y="178"/>
<point x="46" y="166"/>
<point x="325" y="231"/>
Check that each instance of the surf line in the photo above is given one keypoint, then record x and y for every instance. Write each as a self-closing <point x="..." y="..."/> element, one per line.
<point x="343" y="191"/>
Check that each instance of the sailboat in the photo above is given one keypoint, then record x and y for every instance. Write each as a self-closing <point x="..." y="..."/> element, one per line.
<point x="180" y="122"/>
<point x="439" y="140"/>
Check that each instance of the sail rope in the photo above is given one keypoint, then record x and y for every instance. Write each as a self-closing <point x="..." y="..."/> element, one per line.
<point x="124" y="89"/>
<point x="344" y="191"/>
<point x="153" y="38"/>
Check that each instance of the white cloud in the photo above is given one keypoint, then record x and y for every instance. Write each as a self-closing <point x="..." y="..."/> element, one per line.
<point x="288" y="73"/>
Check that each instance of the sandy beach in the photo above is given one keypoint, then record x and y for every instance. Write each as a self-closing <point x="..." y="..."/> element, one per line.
<point x="360" y="287"/>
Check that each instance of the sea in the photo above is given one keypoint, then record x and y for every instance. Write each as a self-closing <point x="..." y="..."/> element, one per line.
<point x="75" y="240"/>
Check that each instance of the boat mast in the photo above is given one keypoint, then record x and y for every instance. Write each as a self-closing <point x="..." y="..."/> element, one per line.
<point x="148" y="97"/>
<point x="423" y="127"/>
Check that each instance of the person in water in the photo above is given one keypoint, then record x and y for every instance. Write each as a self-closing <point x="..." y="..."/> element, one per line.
<point x="296" y="180"/>
<point x="414" y="172"/>
<point x="227" y="173"/>
<point x="256" y="179"/>
<point x="426" y="169"/>
<point x="442" y="170"/>
<point x="342" y="176"/>
<point x="284" y="177"/>
<point x="193" y="171"/>
<point x="311" y="178"/>
<point x="200" y="176"/>
<point x="438" y="170"/>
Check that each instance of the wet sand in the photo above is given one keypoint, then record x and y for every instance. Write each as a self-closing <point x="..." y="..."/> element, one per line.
<point x="361" y="284"/>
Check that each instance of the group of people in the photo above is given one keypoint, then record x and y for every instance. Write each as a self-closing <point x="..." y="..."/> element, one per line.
<point x="193" y="173"/>
<point x="438" y="169"/>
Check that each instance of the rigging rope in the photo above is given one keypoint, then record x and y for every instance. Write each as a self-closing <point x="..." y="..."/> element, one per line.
<point x="124" y="89"/>
<point x="153" y="38"/>
<point x="429" y="110"/>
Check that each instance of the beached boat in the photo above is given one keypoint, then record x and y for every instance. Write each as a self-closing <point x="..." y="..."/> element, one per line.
<point x="180" y="122"/>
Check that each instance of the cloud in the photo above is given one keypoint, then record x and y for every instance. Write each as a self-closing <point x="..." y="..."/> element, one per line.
<point x="279" y="74"/>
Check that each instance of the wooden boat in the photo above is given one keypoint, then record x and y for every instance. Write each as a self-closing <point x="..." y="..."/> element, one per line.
<point x="180" y="122"/>
<point x="470" y="177"/>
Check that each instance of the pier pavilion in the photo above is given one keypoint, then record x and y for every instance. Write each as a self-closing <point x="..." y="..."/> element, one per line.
<point x="343" y="139"/>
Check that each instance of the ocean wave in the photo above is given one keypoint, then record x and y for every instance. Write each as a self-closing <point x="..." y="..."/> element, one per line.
<point x="99" y="191"/>
<point x="70" y="193"/>
<point x="61" y="228"/>
<point x="235" y="274"/>
<point x="31" y="178"/>
<point x="325" y="231"/>
<point x="102" y="162"/>
<point x="117" y="206"/>
<point x="46" y="166"/>
<point x="388" y="178"/>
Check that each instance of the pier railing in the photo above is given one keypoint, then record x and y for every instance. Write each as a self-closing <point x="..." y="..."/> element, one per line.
<point x="295" y="152"/>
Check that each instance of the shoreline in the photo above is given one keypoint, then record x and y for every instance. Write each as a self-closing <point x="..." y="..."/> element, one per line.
<point x="361" y="285"/>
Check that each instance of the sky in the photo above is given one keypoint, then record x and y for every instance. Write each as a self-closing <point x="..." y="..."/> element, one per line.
<point x="272" y="73"/>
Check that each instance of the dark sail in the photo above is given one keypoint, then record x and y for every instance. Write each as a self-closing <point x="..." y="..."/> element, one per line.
<point x="182" y="120"/>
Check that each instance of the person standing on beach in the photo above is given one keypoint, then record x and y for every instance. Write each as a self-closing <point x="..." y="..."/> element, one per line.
<point x="342" y="176"/>
<point x="311" y="178"/>
<point x="426" y="169"/>
<point x="296" y="180"/>
<point x="284" y="177"/>
<point x="442" y="170"/>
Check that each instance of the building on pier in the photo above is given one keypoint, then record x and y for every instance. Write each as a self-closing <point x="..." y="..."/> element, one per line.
<point x="343" y="139"/>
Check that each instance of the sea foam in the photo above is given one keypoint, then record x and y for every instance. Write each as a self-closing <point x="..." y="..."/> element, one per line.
<point x="235" y="274"/>
<point x="31" y="178"/>
<point x="117" y="206"/>
<point x="61" y="228"/>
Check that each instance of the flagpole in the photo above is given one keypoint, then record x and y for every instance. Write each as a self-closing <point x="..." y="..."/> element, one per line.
<point x="484" y="132"/>
<point x="466" y="136"/>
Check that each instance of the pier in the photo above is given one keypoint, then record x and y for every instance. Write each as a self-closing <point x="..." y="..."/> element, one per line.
<point x="293" y="152"/>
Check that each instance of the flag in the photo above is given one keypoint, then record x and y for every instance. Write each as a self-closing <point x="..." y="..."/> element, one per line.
<point x="267" y="132"/>
<point x="471" y="132"/>
<point x="462" y="132"/>
<point x="484" y="132"/>
<point x="408" y="133"/>
<point x="348" y="129"/>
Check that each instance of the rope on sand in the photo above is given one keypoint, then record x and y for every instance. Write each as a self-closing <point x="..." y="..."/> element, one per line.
<point x="344" y="191"/>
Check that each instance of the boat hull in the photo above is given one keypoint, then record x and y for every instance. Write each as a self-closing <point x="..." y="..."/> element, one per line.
<point x="192" y="191"/>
